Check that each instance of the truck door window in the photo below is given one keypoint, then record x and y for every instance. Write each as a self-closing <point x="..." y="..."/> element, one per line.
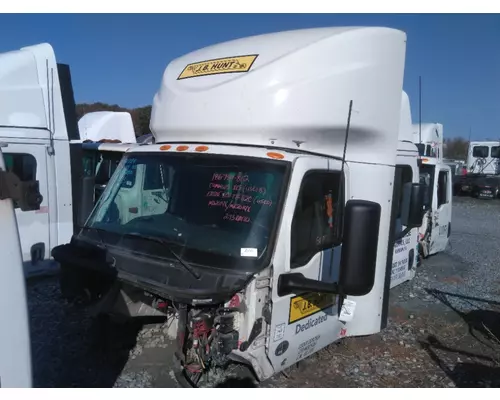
<point x="442" y="187"/>
<point x="495" y="152"/>
<point x="23" y="165"/>
<point x="313" y="224"/>
<point x="480" y="151"/>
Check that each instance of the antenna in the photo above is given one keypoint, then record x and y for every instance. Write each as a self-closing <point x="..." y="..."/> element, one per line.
<point x="341" y="180"/>
<point x="420" y="109"/>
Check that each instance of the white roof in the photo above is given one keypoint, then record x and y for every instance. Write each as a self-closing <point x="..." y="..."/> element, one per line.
<point x="100" y="125"/>
<point x="117" y="147"/>
<point x="431" y="133"/>
<point x="485" y="143"/>
<point x="30" y="93"/>
<point x="405" y="126"/>
<point x="292" y="91"/>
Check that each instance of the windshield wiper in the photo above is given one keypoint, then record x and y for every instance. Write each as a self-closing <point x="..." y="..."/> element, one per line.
<point x="169" y="248"/>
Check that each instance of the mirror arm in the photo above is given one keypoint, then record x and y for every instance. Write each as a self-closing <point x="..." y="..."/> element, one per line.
<point x="298" y="283"/>
<point x="402" y="234"/>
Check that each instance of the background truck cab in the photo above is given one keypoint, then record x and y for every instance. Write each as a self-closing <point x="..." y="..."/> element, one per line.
<point x="38" y="122"/>
<point x="436" y="174"/>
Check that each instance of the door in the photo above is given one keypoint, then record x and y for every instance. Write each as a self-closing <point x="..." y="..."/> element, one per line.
<point x="403" y="259"/>
<point x="441" y="219"/>
<point x="303" y="323"/>
<point x="15" y="351"/>
<point x="29" y="162"/>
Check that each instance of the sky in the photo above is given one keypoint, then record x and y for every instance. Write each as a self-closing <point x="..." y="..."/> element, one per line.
<point x="120" y="58"/>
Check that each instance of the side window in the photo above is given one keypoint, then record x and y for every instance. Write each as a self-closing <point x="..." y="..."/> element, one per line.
<point x="495" y="152"/>
<point x="313" y="228"/>
<point x="480" y="151"/>
<point x="107" y="167"/>
<point x="406" y="176"/>
<point x="89" y="163"/>
<point x="23" y="165"/>
<point x="443" y="187"/>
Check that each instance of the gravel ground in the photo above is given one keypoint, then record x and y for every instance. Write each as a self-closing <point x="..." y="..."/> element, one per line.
<point x="443" y="331"/>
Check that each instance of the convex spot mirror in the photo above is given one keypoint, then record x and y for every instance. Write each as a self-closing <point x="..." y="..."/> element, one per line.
<point x="358" y="258"/>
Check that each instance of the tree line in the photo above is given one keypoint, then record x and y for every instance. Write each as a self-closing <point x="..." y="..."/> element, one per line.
<point x="454" y="148"/>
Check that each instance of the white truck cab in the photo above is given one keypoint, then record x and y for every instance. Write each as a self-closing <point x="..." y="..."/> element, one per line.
<point x="38" y="122"/>
<point x="436" y="174"/>
<point x="483" y="158"/>
<point x="37" y="119"/>
<point x="262" y="222"/>
<point x="15" y="345"/>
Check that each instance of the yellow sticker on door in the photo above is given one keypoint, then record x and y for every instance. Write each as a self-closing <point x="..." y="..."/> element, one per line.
<point x="218" y="66"/>
<point x="309" y="304"/>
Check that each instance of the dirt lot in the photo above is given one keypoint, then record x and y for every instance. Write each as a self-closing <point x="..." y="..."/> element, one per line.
<point x="444" y="329"/>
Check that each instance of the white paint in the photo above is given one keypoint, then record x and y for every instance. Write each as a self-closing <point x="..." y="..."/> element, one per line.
<point x="111" y="125"/>
<point x="29" y="85"/>
<point x="252" y="109"/>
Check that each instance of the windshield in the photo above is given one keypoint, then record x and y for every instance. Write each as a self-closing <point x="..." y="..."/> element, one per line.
<point x="212" y="206"/>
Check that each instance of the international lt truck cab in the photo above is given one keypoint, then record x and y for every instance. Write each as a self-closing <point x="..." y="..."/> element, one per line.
<point x="263" y="220"/>
<point x="15" y="345"/>
<point x="435" y="231"/>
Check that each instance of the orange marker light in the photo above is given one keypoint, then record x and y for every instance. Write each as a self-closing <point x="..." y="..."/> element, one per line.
<point x="277" y="156"/>
<point x="182" y="148"/>
<point x="425" y="159"/>
<point x="165" y="147"/>
<point x="201" y="148"/>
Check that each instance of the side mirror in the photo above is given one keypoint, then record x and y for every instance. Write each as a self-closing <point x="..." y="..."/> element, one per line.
<point x="359" y="247"/>
<point x="87" y="199"/>
<point x="26" y="194"/>
<point x="412" y="207"/>
<point x="357" y="261"/>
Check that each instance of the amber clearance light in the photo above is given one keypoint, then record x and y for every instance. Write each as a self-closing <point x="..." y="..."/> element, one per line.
<point x="277" y="156"/>
<point x="182" y="148"/>
<point x="201" y="148"/>
<point x="165" y="147"/>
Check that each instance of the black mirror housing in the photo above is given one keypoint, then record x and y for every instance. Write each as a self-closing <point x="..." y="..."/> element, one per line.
<point x="87" y="199"/>
<point x="359" y="247"/>
<point x="412" y="207"/>
<point x="358" y="259"/>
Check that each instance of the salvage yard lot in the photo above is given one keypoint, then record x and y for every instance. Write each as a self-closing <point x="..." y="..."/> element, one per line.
<point x="444" y="329"/>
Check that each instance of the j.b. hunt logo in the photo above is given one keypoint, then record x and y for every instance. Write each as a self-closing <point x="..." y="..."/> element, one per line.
<point x="311" y="322"/>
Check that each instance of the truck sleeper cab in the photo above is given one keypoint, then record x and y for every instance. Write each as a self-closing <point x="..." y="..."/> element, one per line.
<point x="249" y="224"/>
